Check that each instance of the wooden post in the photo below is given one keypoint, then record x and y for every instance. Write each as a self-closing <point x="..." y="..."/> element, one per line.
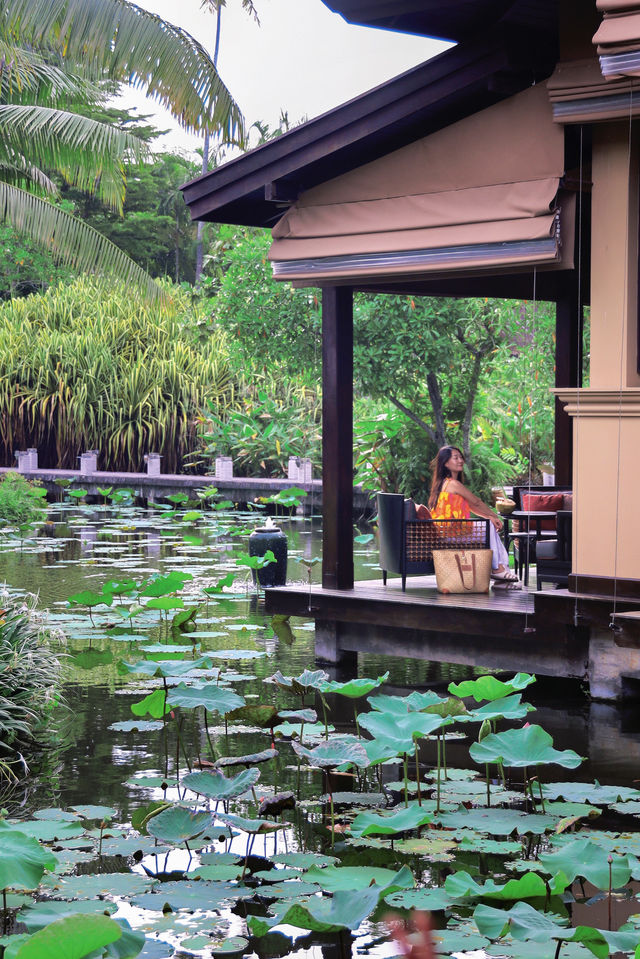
<point x="337" y="437"/>
<point x="568" y="374"/>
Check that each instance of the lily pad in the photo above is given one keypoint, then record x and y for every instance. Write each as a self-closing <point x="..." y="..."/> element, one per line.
<point x="581" y="857"/>
<point x="23" y="860"/>
<point x="212" y="697"/>
<point x="345" y="910"/>
<point x="333" y="753"/>
<point x="215" y="785"/>
<point x="343" y="878"/>
<point x="354" y="688"/>
<point x="390" y="823"/>
<point x="177" y="825"/>
<point x="490" y="688"/>
<point x="529" y="746"/>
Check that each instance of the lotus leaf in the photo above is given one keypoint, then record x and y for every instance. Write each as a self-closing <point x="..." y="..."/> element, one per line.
<point x="498" y="822"/>
<point x="177" y="824"/>
<point x="302" y="715"/>
<point x="489" y="687"/>
<point x="98" y="886"/>
<point x="252" y="759"/>
<point x="87" y="598"/>
<point x="164" y="585"/>
<point x="253" y="826"/>
<point x="509" y="707"/>
<point x="202" y="895"/>
<point x="333" y="753"/>
<point x="59" y="815"/>
<point x="581" y="857"/>
<point x="218" y="872"/>
<point x="300" y="685"/>
<point x="40" y="914"/>
<point x="432" y="847"/>
<point x="390" y="824"/>
<point x="303" y="860"/>
<point x="354" y="688"/>
<point x="215" y="785"/>
<point x="214" y="698"/>
<point x="46" y="831"/>
<point x="236" y="653"/>
<point x="290" y="889"/>
<point x="402" y="731"/>
<point x="414" y="702"/>
<point x="150" y="668"/>
<point x="525" y="922"/>
<point x="462" y="938"/>
<point x="343" y="878"/>
<point x="345" y="910"/>
<point x="310" y="730"/>
<point x="155" y="705"/>
<point x="22" y="859"/>
<point x="353" y="799"/>
<point x="590" y="793"/>
<point x="277" y="875"/>
<point x="137" y="726"/>
<point x="529" y="746"/>
<point x="498" y="847"/>
<point x="71" y="938"/>
<point x="255" y="714"/>
<point x="230" y="946"/>
<point x="424" y="899"/>
<point x="461" y="885"/>
<point x="378" y="751"/>
<point x="165" y="602"/>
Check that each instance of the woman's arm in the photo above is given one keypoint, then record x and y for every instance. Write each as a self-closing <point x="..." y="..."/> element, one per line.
<point x="475" y="503"/>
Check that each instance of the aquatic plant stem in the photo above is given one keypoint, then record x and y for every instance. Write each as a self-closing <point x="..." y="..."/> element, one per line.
<point x="438" y="776"/>
<point x="405" y="765"/>
<point x="488" y="786"/>
<point x="333" y="834"/>
<point x="418" y="777"/>
<point x="355" y="716"/>
<point x="206" y="726"/>
<point x="541" y="793"/>
<point x="609" y="899"/>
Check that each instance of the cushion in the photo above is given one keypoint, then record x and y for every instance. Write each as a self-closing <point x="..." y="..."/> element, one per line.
<point x="409" y="510"/>
<point x="543" y="502"/>
<point x="422" y="511"/>
<point x="567" y="500"/>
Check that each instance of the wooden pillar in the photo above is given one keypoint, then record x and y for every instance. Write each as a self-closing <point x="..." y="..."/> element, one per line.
<point x="568" y="373"/>
<point x="337" y="437"/>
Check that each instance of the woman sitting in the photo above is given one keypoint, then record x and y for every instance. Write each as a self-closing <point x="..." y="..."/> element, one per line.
<point x="450" y="499"/>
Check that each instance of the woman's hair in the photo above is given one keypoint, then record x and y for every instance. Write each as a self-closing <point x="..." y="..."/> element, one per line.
<point x="440" y="472"/>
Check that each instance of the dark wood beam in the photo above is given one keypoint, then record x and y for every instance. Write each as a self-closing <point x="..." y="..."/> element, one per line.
<point x="337" y="437"/>
<point x="569" y="323"/>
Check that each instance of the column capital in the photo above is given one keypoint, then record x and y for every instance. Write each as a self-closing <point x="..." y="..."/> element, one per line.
<point x="598" y="403"/>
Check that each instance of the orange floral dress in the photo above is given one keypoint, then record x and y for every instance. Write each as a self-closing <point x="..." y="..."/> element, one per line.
<point x="451" y="506"/>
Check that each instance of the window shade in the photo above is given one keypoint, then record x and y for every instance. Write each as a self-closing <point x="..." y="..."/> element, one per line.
<point x="580" y="94"/>
<point x="480" y="194"/>
<point x="618" y="38"/>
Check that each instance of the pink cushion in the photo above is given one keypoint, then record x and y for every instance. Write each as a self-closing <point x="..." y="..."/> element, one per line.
<point x="543" y="502"/>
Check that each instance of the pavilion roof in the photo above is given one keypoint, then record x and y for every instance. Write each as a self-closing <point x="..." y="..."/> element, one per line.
<point x="258" y="187"/>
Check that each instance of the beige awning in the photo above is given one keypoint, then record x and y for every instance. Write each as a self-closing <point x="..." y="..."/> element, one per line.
<point x="480" y="194"/>
<point x="580" y="94"/>
<point x="618" y="38"/>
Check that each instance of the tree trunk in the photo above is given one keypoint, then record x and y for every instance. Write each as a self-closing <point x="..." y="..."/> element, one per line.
<point x="436" y="404"/>
<point x="413" y="417"/>
<point x="471" y="399"/>
<point x="205" y="160"/>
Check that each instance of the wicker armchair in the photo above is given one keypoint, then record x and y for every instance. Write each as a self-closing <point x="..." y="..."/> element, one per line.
<point x="553" y="561"/>
<point x="407" y="543"/>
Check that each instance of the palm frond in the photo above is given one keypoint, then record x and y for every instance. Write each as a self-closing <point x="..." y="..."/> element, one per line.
<point x="134" y="46"/>
<point x="88" y="153"/>
<point x="70" y="240"/>
<point x="25" y="74"/>
<point x="17" y="171"/>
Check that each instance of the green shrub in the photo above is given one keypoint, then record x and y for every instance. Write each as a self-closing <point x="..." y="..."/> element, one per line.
<point x="29" y="677"/>
<point x="21" y="504"/>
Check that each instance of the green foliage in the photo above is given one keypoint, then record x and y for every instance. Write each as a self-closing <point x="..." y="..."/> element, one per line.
<point x="90" y="367"/>
<point x="29" y="675"/>
<point x="21" y="504"/>
<point x="270" y="422"/>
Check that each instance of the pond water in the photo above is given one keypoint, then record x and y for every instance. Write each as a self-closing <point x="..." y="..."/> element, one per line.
<point x="101" y="753"/>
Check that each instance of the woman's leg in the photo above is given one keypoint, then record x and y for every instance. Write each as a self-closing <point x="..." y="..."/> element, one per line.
<point x="500" y="559"/>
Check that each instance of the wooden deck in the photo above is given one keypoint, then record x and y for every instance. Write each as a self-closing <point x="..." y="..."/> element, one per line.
<point x="549" y="632"/>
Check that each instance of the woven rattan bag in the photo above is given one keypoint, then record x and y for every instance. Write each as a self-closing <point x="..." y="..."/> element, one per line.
<point x="462" y="570"/>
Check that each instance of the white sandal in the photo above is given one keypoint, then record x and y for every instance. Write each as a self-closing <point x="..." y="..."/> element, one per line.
<point x="506" y="576"/>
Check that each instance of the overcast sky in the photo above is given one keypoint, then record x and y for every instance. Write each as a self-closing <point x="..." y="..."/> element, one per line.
<point x="302" y="58"/>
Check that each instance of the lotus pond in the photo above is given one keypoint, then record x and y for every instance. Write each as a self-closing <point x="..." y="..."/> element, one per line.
<point x="207" y="790"/>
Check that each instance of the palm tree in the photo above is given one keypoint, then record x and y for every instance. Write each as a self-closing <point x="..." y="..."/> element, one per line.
<point x="55" y="59"/>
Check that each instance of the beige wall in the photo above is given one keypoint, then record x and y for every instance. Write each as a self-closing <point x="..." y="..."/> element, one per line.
<point x="606" y="428"/>
<point x="614" y="256"/>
